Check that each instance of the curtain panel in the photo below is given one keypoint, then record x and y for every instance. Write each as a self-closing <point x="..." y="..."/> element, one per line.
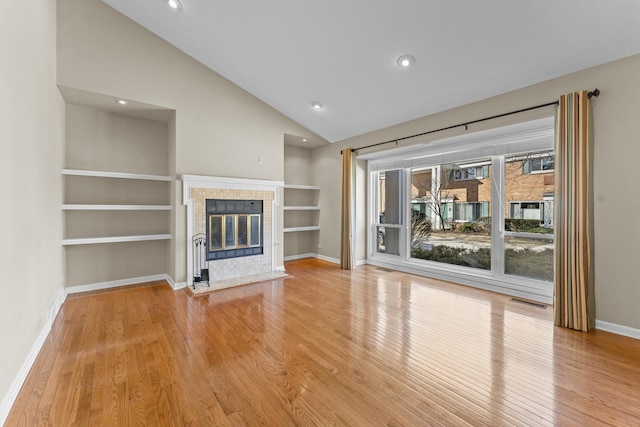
<point x="346" y="223"/>
<point x="574" y="304"/>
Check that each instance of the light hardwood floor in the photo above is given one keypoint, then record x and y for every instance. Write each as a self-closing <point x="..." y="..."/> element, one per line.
<point x="325" y="347"/>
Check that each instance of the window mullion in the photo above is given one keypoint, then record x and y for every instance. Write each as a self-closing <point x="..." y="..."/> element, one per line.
<point x="497" y="216"/>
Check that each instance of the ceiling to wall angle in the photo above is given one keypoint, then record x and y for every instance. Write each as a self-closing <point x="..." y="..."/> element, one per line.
<point x="346" y="56"/>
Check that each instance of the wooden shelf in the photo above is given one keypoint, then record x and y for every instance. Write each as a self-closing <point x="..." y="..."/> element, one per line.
<point x="308" y="228"/>
<point x="301" y="208"/>
<point x="116" y="239"/>
<point x="301" y="187"/>
<point x="75" y="207"/>
<point x="121" y="175"/>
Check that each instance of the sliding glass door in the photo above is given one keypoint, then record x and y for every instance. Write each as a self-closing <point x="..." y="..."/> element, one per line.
<point x="480" y="219"/>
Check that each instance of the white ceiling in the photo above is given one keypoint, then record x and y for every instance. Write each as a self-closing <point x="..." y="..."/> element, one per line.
<point x="343" y="53"/>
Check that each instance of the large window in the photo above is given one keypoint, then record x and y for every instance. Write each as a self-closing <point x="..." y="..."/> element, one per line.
<point x="485" y="220"/>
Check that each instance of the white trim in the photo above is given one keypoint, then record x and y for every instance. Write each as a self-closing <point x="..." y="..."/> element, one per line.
<point x="70" y="207"/>
<point x="322" y="257"/>
<point x="11" y="395"/>
<point x="174" y="285"/>
<point x="179" y="285"/>
<point x="529" y="132"/>
<point x="54" y="308"/>
<point x="523" y="288"/>
<point x="300" y="256"/>
<point x="301" y="208"/>
<point x="618" y="329"/>
<point x="225" y="183"/>
<point x="279" y="268"/>
<point x="121" y="175"/>
<point x="114" y="284"/>
<point x="307" y="228"/>
<point x="115" y="239"/>
<point x="301" y="187"/>
<point x="328" y="259"/>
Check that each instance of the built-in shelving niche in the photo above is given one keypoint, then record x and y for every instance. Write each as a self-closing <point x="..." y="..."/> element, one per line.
<point x="116" y="206"/>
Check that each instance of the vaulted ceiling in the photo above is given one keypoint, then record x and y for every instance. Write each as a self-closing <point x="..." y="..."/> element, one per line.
<point x="343" y="54"/>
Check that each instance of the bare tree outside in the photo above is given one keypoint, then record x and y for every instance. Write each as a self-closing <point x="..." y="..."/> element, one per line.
<point x="433" y="186"/>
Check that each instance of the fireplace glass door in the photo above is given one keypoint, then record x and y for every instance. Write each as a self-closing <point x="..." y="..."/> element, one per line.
<point x="234" y="231"/>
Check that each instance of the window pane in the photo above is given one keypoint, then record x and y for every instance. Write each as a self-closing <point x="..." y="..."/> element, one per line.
<point x="529" y="257"/>
<point x="529" y="245"/>
<point x="230" y="231"/>
<point x="390" y="184"/>
<point x="215" y="232"/>
<point x="242" y="231"/>
<point x="389" y="212"/>
<point x="255" y="230"/>
<point x="388" y="240"/>
<point x="450" y="221"/>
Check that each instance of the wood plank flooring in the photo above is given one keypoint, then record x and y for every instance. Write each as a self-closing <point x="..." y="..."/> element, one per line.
<point x="324" y="347"/>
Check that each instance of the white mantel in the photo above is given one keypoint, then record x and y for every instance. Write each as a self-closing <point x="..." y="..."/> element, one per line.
<point x="200" y="182"/>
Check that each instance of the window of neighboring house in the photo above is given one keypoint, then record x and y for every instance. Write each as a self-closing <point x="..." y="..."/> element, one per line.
<point x="527" y="210"/>
<point x="471" y="211"/>
<point x="474" y="172"/>
<point x="539" y="164"/>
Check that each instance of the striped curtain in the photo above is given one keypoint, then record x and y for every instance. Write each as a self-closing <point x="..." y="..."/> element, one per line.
<point x="346" y="234"/>
<point x="574" y="304"/>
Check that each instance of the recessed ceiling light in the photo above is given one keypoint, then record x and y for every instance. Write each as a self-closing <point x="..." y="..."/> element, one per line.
<point x="304" y="139"/>
<point x="175" y="4"/>
<point x="406" y="61"/>
<point x="317" y="105"/>
<point x="121" y="102"/>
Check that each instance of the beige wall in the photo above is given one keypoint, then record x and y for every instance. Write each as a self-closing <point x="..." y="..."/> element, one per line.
<point x="31" y="152"/>
<point x="616" y="151"/>
<point x="219" y="129"/>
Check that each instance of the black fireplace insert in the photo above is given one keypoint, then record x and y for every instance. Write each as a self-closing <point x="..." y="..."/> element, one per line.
<point x="234" y="228"/>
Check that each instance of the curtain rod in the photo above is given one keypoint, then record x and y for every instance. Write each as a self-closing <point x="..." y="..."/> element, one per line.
<point x="590" y="94"/>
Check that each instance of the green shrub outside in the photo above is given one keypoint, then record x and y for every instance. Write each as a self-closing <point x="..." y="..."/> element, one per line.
<point x="470" y="227"/>
<point x="522" y="262"/>
<point x="483" y="225"/>
<point x="525" y="225"/>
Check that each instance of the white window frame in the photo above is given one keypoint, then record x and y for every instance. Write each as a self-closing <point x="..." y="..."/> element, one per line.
<point x="494" y="144"/>
<point x="541" y="156"/>
<point x="467" y="177"/>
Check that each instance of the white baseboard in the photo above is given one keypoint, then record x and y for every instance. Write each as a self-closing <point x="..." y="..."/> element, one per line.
<point x="618" y="329"/>
<point x="179" y="285"/>
<point x="322" y="257"/>
<point x="54" y="308"/>
<point x="300" y="256"/>
<point x="174" y="285"/>
<point x="10" y="398"/>
<point x="114" y="284"/>
<point x="328" y="259"/>
<point x="280" y="268"/>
